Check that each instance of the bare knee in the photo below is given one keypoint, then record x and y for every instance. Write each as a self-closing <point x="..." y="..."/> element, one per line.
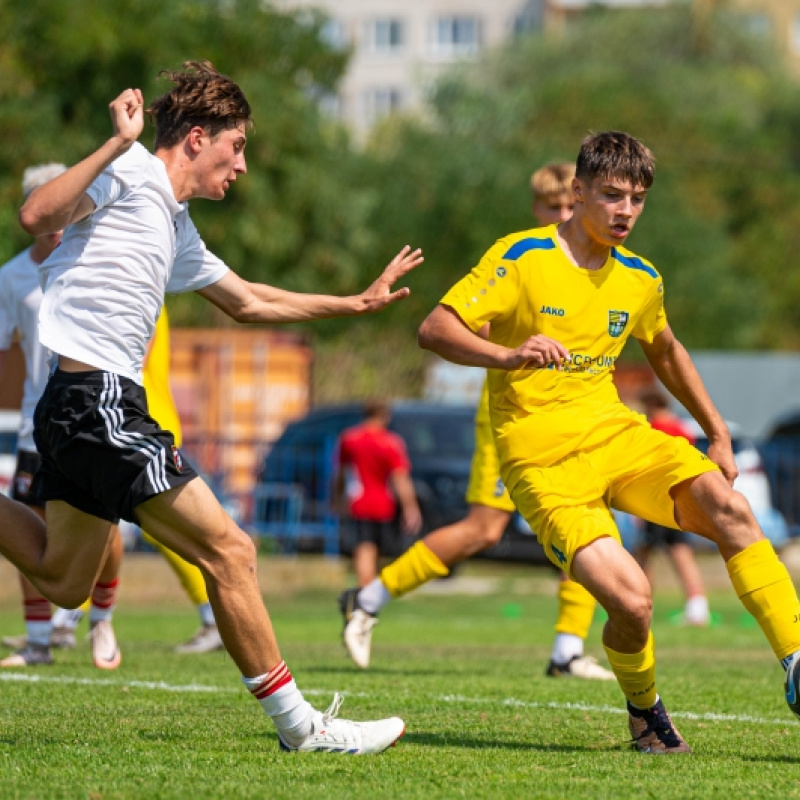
<point x="230" y="553"/>
<point x="61" y="593"/>
<point x="631" y="611"/>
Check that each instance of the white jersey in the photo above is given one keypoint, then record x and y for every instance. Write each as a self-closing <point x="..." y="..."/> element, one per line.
<point x="20" y="298"/>
<point x="104" y="285"/>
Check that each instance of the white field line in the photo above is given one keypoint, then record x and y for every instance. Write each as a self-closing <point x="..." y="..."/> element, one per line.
<point x="196" y="688"/>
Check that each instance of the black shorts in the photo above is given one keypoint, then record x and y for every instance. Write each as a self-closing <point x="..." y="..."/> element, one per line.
<point x="378" y="533"/>
<point x="657" y="535"/>
<point x="28" y="463"/>
<point x="101" y="451"/>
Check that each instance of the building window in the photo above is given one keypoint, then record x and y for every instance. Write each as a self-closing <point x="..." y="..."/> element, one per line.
<point x="758" y="24"/>
<point x="794" y="36"/>
<point x="455" y="36"/>
<point x="380" y="102"/>
<point x="385" y="35"/>
<point x="334" y="34"/>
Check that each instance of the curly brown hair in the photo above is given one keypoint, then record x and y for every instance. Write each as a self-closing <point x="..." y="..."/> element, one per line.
<point x="613" y="154"/>
<point x="200" y="96"/>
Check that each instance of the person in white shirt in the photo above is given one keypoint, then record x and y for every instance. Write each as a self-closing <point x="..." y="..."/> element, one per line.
<point x="20" y="299"/>
<point x="128" y="239"/>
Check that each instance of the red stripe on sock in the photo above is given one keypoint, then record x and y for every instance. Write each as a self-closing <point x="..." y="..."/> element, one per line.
<point x="37" y="610"/>
<point x="104" y="595"/>
<point x="273" y="680"/>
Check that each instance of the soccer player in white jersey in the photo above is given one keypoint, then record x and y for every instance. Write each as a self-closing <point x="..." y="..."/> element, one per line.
<point x="128" y="239"/>
<point x="20" y="298"/>
<point x="561" y="302"/>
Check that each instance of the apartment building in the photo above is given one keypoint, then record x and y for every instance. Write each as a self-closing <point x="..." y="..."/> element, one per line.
<point x="777" y="19"/>
<point x="400" y="46"/>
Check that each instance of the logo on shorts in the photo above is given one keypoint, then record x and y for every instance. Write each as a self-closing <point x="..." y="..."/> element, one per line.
<point x="617" y="320"/>
<point x="177" y="459"/>
<point x="562" y="559"/>
<point x="22" y="483"/>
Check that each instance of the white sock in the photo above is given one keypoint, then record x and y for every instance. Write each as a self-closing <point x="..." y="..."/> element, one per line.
<point x="97" y="614"/>
<point x="67" y="618"/>
<point x="38" y="632"/>
<point x="566" y="647"/>
<point x="206" y="615"/>
<point x="374" y="596"/>
<point x="286" y="706"/>
<point x="696" y="611"/>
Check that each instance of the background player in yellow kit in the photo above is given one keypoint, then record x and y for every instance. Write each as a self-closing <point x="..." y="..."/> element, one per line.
<point x="490" y="509"/>
<point x="561" y="302"/>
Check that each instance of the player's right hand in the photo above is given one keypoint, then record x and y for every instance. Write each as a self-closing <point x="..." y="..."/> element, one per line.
<point x="537" y="352"/>
<point x="127" y="115"/>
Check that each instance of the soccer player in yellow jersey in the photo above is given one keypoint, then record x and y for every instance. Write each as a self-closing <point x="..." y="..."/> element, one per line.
<point x="490" y="509"/>
<point x="561" y="302"/>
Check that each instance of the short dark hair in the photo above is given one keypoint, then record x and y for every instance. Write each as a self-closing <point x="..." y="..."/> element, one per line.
<point x="613" y="154"/>
<point x="377" y="408"/>
<point x="200" y="96"/>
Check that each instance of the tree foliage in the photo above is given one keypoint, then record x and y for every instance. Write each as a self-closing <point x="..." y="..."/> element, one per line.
<point x="714" y="106"/>
<point x="295" y="220"/>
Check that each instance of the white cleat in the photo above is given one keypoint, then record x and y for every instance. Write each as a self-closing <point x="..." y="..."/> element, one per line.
<point x="358" y="636"/>
<point x="105" y="652"/>
<point x="332" y="735"/>
<point x="205" y="640"/>
<point x="580" y="667"/>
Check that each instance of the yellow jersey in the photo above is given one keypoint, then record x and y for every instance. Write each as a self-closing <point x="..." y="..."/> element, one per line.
<point x="526" y="285"/>
<point x="155" y="374"/>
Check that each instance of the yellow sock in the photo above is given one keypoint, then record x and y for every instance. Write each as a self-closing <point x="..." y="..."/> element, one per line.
<point x="188" y="574"/>
<point x="575" y="609"/>
<point x="766" y="591"/>
<point x="636" y="673"/>
<point x="418" y="565"/>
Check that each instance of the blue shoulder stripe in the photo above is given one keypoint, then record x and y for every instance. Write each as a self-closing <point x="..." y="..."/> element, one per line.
<point x="633" y="263"/>
<point x="524" y="245"/>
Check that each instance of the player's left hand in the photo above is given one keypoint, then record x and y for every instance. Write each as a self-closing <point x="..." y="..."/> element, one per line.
<point x="380" y="294"/>
<point x="721" y="453"/>
<point x="411" y="521"/>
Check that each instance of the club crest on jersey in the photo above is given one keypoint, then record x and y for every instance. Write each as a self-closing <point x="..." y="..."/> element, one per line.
<point x="22" y="482"/>
<point x="617" y="320"/>
<point x="177" y="459"/>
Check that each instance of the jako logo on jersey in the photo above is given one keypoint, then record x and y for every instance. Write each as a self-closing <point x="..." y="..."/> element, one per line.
<point x="617" y="320"/>
<point x="553" y="312"/>
<point x="500" y="272"/>
<point x="177" y="459"/>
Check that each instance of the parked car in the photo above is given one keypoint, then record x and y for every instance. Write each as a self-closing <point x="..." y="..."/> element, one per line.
<point x="295" y="483"/>
<point x="780" y="452"/>
<point x="753" y="482"/>
<point x="9" y="425"/>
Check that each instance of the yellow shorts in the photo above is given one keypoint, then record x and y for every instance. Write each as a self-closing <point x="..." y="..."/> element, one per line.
<point x="568" y="504"/>
<point x="486" y="487"/>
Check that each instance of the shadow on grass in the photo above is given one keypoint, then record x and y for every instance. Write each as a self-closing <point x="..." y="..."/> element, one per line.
<point x="436" y="740"/>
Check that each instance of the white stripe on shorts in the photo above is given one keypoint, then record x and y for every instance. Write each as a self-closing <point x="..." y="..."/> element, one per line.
<point x="148" y="446"/>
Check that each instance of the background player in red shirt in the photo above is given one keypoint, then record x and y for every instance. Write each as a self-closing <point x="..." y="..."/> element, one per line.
<point x="374" y="469"/>
<point x="696" y="611"/>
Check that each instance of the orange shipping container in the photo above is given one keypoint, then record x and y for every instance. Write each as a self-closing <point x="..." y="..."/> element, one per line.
<point x="235" y="390"/>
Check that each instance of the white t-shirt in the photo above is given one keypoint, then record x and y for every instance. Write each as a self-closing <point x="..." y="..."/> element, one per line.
<point x="104" y="285"/>
<point x="20" y="298"/>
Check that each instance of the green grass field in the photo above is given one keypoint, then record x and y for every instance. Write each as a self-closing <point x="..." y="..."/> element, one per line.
<point x="465" y="672"/>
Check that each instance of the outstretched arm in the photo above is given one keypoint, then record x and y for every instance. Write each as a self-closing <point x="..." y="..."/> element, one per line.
<point x="676" y="370"/>
<point x="257" y="302"/>
<point x="445" y="333"/>
<point x="63" y="200"/>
